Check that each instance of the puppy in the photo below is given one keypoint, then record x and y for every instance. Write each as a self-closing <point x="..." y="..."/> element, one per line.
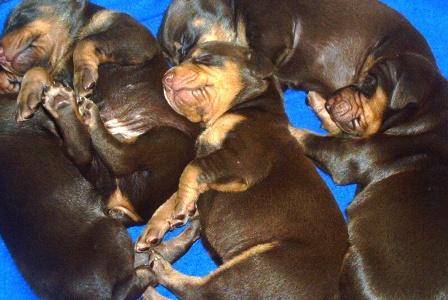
<point x="319" y="46"/>
<point x="263" y="209"/>
<point x="53" y="222"/>
<point x="134" y="159"/>
<point x="48" y="40"/>
<point x="135" y="164"/>
<point x="398" y="220"/>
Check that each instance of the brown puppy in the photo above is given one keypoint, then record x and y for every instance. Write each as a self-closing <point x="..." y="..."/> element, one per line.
<point x="137" y="154"/>
<point x="398" y="222"/>
<point x="53" y="222"/>
<point x="262" y="206"/>
<point x="130" y="169"/>
<point x="47" y="40"/>
<point x="319" y="46"/>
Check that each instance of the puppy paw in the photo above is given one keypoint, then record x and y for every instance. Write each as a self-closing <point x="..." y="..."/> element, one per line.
<point x="88" y="112"/>
<point x="31" y="92"/>
<point x="56" y="99"/>
<point x="182" y="213"/>
<point x="9" y="83"/>
<point x="85" y="79"/>
<point x="159" y="265"/>
<point x="152" y="236"/>
<point x="317" y="103"/>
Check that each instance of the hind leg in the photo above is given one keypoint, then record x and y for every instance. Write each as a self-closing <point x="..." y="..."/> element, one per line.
<point x="173" y="249"/>
<point x="59" y="102"/>
<point x="141" y="280"/>
<point x="275" y="270"/>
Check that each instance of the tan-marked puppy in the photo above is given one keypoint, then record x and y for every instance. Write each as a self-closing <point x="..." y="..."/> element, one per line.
<point x="262" y="207"/>
<point x="53" y="222"/>
<point x="357" y="110"/>
<point x="61" y="36"/>
<point x="398" y="220"/>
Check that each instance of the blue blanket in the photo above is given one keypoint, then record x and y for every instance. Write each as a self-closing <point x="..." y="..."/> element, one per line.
<point x="429" y="16"/>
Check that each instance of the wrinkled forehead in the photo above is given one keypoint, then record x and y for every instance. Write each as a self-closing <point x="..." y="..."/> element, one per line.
<point x="220" y="51"/>
<point x="23" y="15"/>
<point x="29" y="11"/>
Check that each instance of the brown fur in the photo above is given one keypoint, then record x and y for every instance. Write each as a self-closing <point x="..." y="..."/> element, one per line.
<point x="398" y="219"/>
<point x="240" y="182"/>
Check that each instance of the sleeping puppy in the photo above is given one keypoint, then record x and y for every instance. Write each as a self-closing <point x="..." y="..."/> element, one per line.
<point x="398" y="222"/>
<point x="136" y="163"/>
<point x="53" y="222"/>
<point x="263" y="209"/>
<point x="319" y="46"/>
<point x="46" y="41"/>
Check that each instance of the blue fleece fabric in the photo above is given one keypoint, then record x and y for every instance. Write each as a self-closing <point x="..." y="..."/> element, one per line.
<point x="429" y="16"/>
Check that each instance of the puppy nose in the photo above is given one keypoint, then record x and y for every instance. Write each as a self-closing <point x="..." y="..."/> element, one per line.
<point x="178" y="78"/>
<point x="329" y="104"/>
<point x="168" y="79"/>
<point x="2" y="55"/>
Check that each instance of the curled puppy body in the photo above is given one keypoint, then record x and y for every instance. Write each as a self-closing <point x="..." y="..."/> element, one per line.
<point x="53" y="222"/>
<point x="319" y="46"/>
<point x="398" y="220"/>
<point x="389" y="94"/>
<point x="134" y="175"/>
<point x="64" y="37"/>
<point x="240" y="182"/>
<point x="135" y="157"/>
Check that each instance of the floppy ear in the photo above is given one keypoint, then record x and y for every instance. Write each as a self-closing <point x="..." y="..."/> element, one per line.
<point x="260" y="65"/>
<point x="416" y="76"/>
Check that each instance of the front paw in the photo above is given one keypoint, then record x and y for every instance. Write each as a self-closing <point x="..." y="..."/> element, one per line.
<point x="159" y="265"/>
<point x="85" y="79"/>
<point x="9" y="83"/>
<point x="152" y="236"/>
<point x="31" y="92"/>
<point x="57" y="99"/>
<point x="89" y="113"/>
<point x="183" y="212"/>
<point x="317" y="103"/>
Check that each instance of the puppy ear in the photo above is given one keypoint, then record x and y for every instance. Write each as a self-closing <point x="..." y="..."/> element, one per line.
<point x="416" y="76"/>
<point x="403" y="95"/>
<point x="260" y="65"/>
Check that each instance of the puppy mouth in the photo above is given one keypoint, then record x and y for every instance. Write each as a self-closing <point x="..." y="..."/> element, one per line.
<point x="183" y="100"/>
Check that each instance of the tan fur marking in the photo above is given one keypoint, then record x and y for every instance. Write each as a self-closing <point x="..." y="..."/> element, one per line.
<point x="163" y="213"/>
<point x="198" y="22"/>
<point x="373" y="111"/>
<point x="217" y="133"/>
<point x="85" y="54"/>
<point x="224" y="84"/>
<point x="189" y="188"/>
<point x="317" y="102"/>
<point x="119" y="201"/>
<point x="99" y="22"/>
<point x="217" y="33"/>
<point x="228" y="84"/>
<point x="258" y="249"/>
<point x="234" y="186"/>
<point x="241" y="38"/>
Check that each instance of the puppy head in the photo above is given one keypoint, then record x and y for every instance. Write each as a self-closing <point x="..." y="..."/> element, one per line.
<point x="359" y="110"/>
<point x="392" y="89"/>
<point x="215" y="77"/>
<point x="36" y="33"/>
<point x="191" y="22"/>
